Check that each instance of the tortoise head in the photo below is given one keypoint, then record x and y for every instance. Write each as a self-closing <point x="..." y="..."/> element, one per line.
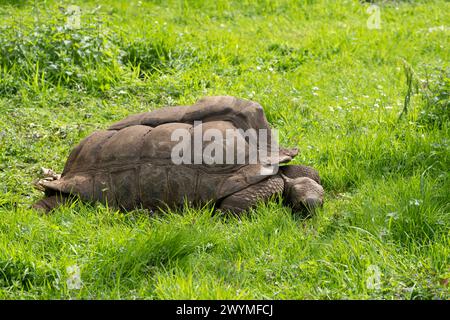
<point x="303" y="194"/>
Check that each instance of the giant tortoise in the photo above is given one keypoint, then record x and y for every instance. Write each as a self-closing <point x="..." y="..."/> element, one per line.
<point x="131" y="164"/>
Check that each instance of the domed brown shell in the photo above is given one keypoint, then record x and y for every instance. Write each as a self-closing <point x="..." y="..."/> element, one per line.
<point x="129" y="165"/>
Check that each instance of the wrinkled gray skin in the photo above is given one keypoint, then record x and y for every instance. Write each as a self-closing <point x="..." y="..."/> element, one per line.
<point x="129" y="165"/>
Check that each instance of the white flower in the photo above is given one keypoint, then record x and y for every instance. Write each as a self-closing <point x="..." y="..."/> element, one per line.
<point x="73" y="277"/>
<point x="393" y="215"/>
<point x="438" y="28"/>
<point x="415" y="202"/>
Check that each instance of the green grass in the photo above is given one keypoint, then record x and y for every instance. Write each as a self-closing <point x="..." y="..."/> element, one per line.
<point x="331" y="86"/>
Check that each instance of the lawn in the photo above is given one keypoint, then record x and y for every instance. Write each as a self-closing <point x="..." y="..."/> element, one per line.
<point x="365" y="100"/>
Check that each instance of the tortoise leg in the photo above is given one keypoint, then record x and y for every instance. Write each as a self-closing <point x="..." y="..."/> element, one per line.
<point x="49" y="203"/>
<point x="243" y="200"/>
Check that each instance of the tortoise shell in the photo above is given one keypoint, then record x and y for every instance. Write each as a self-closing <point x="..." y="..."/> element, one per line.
<point x="130" y="164"/>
